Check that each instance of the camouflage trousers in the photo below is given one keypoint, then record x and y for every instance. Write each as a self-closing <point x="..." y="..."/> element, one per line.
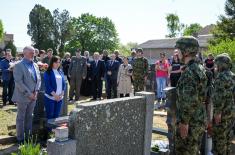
<point x="222" y="137"/>
<point x="192" y="144"/>
<point x="138" y="84"/>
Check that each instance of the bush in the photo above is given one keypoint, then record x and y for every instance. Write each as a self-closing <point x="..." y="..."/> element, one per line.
<point x="226" y="46"/>
<point x="30" y="148"/>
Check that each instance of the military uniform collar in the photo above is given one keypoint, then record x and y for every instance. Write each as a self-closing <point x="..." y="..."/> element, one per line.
<point x="191" y="62"/>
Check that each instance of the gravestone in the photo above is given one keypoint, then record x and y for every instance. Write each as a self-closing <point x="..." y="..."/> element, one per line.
<point x="171" y="116"/>
<point x="61" y="148"/>
<point x="118" y="126"/>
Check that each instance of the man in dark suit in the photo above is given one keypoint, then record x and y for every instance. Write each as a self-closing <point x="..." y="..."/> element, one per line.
<point x="112" y="72"/>
<point x="98" y="71"/>
<point x="116" y="52"/>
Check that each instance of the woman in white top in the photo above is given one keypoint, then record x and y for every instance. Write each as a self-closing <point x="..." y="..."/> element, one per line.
<point x="54" y="88"/>
<point x="124" y="78"/>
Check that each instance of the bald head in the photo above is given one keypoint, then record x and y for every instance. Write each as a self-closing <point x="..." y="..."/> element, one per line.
<point x="28" y="52"/>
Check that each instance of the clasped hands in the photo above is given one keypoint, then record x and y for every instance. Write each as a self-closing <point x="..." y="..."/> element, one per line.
<point x="57" y="97"/>
<point x="33" y="96"/>
<point x="183" y="129"/>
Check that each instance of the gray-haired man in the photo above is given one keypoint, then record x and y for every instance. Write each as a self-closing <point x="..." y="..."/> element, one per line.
<point x="27" y="84"/>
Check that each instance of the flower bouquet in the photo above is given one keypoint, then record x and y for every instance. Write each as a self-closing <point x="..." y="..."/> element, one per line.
<point x="42" y="66"/>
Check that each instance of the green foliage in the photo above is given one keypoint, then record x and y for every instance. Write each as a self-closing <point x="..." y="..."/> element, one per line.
<point x="225" y="46"/>
<point x="72" y="45"/>
<point x="173" y="24"/>
<point x="155" y="148"/>
<point x="225" y="27"/>
<point x="1" y="30"/>
<point x="192" y="29"/>
<point x="30" y="148"/>
<point x="40" y="27"/>
<point x="125" y="50"/>
<point x="230" y="8"/>
<point x="63" y="33"/>
<point x="62" y="29"/>
<point x="11" y="46"/>
<point x="94" y="33"/>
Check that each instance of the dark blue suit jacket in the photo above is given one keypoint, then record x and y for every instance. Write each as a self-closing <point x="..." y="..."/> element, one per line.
<point x="113" y="68"/>
<point x="50" y="82"/>
<point x="99" y="70"/>
<point x="6" y="74"/>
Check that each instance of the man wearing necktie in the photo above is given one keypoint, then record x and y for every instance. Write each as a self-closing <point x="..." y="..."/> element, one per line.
<point x="98" y="71"/>
<point x="112" y="73"/>
<point x="86" y="88"/>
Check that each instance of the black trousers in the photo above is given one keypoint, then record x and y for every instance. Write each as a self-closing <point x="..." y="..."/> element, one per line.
<point x="8" y="87"/>
<point x="97" y="88"/>
<point x="112" y="88"/>
<point x="174" y="78"/>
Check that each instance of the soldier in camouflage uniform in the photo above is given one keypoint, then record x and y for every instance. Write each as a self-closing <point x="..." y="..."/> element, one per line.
<point x="190" y="109"/>
<point x="77" y="71"/>
<point x="223" y="105"/>
<point x="140" y="71"/>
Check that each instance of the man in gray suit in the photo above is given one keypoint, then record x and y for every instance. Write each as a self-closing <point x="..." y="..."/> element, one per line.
<point x="27" y="84"/>
<point x="77" y="72"/>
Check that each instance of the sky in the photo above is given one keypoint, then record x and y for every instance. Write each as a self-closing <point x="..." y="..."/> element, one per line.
<point x="135" y="20"/>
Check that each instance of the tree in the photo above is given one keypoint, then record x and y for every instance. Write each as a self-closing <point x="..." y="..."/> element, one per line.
<point x="230" y="8"/>
<point x="192" y="29"/>
<point x="1" y="30"/>
<point x="225" y="46"/>
<point x="173" y="24"/>
<point x="225" y="27"/>
<point x="62" y="29"/>
<point x="94" y="33"/>
<point x="40" y="27"/>
<point x="10" y="45"/>
<point x="125" y="50"/>
<point x="72" y="45"/>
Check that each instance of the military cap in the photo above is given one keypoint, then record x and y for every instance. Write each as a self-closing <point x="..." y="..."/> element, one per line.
<point x="139" y="50"/>
<point x="188" y="44"/>
<point x="224" y="61"/>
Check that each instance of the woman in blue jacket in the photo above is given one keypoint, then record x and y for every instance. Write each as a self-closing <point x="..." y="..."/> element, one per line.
<point x="54" y="88"/>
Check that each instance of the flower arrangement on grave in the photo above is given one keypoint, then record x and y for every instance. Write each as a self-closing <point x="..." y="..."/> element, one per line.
<point x="42" y="66"/>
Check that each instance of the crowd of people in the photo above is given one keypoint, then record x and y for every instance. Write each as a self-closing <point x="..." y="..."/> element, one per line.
<point x="86" y="75"/>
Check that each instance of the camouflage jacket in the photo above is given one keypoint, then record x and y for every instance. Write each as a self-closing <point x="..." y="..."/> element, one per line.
<point x="222" y="98"/>
<point x="140" y="67"/>
<point x="191" y="93"/>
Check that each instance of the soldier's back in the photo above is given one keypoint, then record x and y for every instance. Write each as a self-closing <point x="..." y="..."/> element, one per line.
<point x="191" y="87"/>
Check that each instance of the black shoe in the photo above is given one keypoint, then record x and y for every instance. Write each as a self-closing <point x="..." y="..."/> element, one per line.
<point x="4" y="103"/>
<point x="11" y="103"/>
<point x="158" y="100"/>
<point x="70" y="100"/>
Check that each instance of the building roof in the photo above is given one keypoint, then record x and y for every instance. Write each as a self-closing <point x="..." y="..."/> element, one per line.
<point x="170" y="42"/>
<point x="206" y="30"/>
<point x="8" y="37"/>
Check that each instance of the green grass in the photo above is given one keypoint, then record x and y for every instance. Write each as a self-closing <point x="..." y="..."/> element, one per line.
<point x="7" y="118"/>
